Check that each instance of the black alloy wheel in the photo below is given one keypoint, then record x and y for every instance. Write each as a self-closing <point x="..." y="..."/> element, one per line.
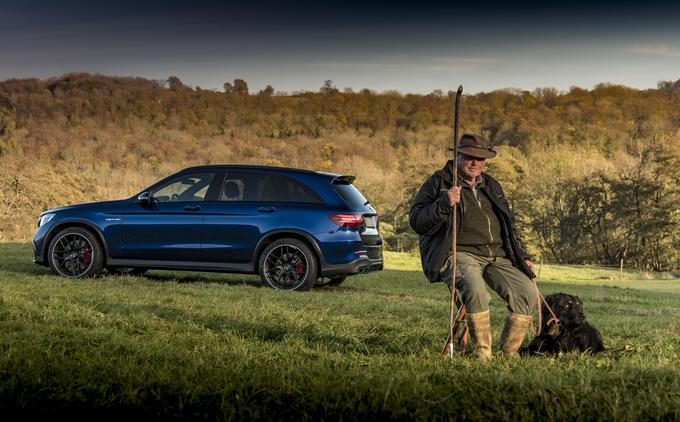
<point x="75" y="252"/>
<point x="332" y="281"/>
<point x="288" y="264"/>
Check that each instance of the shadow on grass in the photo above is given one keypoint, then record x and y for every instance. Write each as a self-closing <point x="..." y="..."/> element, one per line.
<point x="231" y="279"/>
<point x="182" y="277"/>
<point x="34" y="270"/>
<point x="162" y="276"/>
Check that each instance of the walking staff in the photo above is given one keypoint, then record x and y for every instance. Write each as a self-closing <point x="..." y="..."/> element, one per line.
<point x="454" y="323"/>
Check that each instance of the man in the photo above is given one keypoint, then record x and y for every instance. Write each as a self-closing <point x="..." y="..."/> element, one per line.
<point x="489" y="249"/>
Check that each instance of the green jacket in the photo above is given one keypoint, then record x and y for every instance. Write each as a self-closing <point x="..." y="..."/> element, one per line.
<point x="430" y="217"/>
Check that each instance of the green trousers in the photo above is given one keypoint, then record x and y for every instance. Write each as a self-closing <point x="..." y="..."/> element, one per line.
<point x="474" y="272"/>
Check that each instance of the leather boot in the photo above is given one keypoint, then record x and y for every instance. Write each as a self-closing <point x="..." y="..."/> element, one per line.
<point x="480" y="330"/>
<point x="513" y="333"/>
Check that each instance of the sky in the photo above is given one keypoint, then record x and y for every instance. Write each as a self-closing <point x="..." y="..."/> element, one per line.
<point x="413" y="47"/>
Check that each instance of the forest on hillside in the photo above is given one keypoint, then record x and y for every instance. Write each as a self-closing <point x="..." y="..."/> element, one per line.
<point x="592" y="174"/>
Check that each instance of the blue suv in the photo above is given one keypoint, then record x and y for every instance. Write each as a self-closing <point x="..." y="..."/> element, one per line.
<point x="295" y="228"/>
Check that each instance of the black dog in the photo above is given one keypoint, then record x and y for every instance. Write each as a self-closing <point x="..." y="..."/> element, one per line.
<point x="573" y="334"/>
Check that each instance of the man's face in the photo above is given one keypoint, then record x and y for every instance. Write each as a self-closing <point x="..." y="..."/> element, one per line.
<point x="470" y="167"/>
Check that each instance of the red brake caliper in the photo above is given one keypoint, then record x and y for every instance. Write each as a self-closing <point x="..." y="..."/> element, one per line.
<point x="299" y="267"/>
<point x="87" y="255"/>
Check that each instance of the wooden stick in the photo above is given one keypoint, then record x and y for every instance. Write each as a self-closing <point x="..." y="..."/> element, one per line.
<point x="454" y="226"/>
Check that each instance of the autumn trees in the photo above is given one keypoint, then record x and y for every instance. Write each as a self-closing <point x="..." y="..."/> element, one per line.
<point x="592" y="174"/>
<point x="239" y="87"/>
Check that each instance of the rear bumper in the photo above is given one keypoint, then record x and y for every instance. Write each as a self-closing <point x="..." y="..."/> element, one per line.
<point x="363" y="264"/>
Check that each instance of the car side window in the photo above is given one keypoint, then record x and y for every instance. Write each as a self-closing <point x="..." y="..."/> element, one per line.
<point x="294" y="191"/>
<point x="273" y="192"/>
<point x="243" y="186"/>
<point x="187" y="188"/>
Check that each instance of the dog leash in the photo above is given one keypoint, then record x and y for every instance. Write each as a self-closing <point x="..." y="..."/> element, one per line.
<point x="553" y="319"/>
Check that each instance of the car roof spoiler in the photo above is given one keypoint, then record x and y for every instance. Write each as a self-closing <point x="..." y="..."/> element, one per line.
<point x="343" y="180"/>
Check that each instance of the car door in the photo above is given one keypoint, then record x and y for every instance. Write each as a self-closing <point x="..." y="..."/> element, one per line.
<point x="245" y="209"/>
<point x="168" y="228"/>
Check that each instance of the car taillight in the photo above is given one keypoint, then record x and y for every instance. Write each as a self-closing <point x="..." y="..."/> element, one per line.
<point x="353" y="221"/>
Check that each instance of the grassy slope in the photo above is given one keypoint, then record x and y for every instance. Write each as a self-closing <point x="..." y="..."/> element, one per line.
<point x="218" y="346"/>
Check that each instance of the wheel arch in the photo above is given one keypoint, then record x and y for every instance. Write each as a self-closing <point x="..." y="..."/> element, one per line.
<point x="278" y="234"/>
<point x="74" y="223"/>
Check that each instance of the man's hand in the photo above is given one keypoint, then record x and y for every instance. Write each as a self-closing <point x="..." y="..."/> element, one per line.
<point x="454" y="195"/>
<point x="531" y="265"/>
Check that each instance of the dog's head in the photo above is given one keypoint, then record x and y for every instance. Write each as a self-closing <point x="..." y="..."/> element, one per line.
<point x="567" y="308"/>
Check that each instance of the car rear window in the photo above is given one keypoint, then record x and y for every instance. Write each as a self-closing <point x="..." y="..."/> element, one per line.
<point x="351" y="195"/>
<point x="281" y="188"/>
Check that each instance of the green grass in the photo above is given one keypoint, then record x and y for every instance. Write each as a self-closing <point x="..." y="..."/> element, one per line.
<point x="217" y="346"/>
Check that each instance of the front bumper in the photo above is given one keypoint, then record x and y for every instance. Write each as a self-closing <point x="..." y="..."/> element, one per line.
<point x="39" y="245"/>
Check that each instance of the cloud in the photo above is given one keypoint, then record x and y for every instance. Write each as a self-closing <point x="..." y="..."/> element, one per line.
<point x="661" y="50"/>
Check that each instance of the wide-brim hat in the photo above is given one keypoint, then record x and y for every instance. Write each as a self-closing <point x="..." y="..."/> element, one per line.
<point x="475" y="146"/>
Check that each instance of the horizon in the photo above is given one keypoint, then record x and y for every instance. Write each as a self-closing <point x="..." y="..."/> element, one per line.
<point x="343" y="90"/>
<point x="379" y="46"/>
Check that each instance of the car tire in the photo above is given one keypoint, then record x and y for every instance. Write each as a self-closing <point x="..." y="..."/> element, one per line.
<point x="330" y="281"/>
<point x="75" y="252"/>
<point x="288" y="264"/>
<point x="131" y="271"/>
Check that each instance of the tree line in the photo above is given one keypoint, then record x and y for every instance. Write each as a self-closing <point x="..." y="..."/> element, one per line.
<point x="591" y="173"/>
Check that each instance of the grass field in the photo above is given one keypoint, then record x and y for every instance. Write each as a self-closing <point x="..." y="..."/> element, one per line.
<point x="217" y="346"/>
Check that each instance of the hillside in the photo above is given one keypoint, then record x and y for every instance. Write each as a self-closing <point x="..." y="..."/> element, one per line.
<point x="592" y="174"/>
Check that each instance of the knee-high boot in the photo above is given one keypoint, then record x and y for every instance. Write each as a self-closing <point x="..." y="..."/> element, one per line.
<point x="513" y="333"/>
<point x="479" y="324"/>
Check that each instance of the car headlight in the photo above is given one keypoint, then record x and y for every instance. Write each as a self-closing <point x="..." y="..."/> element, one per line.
<point x="45" y="219"/>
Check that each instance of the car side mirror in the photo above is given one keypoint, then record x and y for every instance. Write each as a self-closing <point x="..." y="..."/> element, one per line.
<point x="144" y="198"/>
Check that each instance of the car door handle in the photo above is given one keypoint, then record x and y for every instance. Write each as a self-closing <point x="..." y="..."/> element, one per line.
<point x="266" y="209"/>
<point x="192" y="208"/>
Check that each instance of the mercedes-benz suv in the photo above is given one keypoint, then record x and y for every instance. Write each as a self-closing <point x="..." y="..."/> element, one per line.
<point x="295" y="228"/>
